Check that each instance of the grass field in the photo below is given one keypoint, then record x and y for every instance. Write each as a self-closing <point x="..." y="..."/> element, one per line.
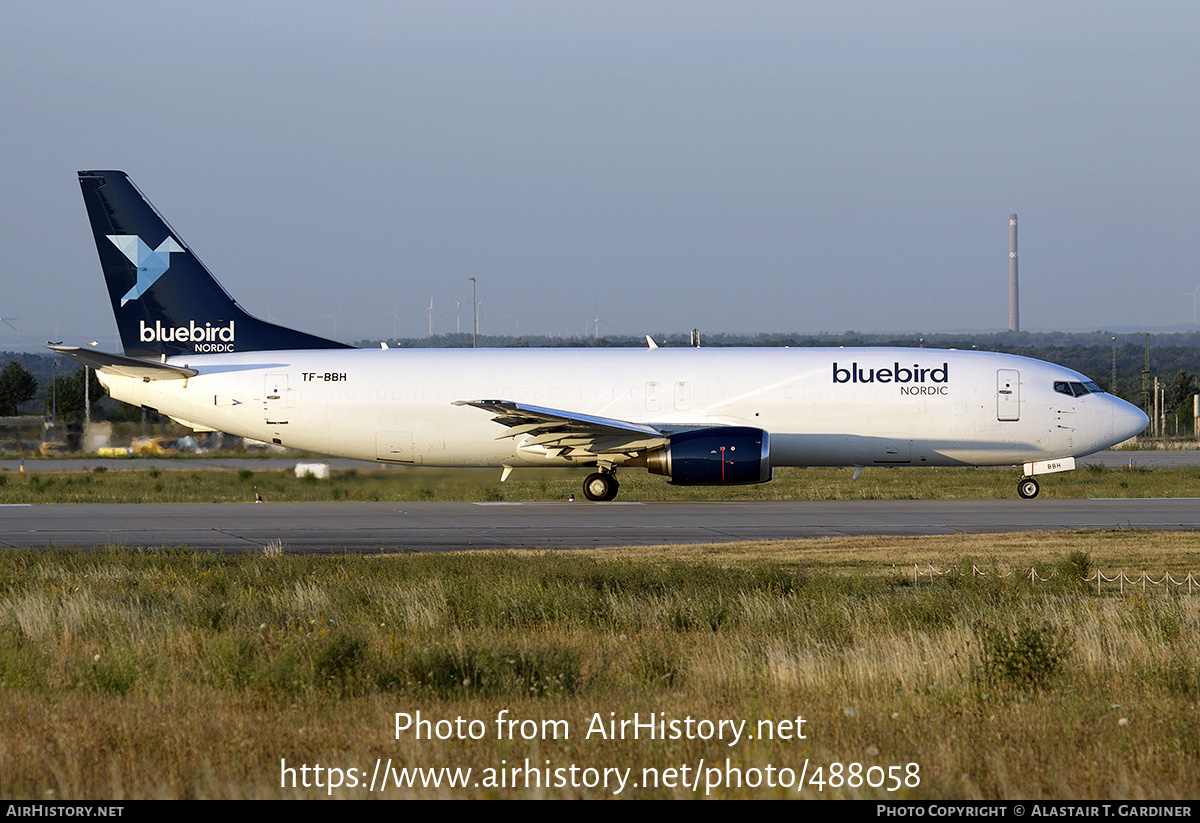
<point x="183" y="485"/>
<point x="127" y="674"/>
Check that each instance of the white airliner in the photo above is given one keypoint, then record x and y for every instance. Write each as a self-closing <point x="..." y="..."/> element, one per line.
<point x="698" y="416"/>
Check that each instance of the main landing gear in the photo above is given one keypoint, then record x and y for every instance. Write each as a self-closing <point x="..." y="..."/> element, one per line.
<point x="601" y="486"/>
<point x="1028" y="488"/>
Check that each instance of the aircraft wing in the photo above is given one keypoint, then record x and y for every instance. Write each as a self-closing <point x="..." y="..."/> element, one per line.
<point x="569" y="434"/>
<point x="125" y="366"/>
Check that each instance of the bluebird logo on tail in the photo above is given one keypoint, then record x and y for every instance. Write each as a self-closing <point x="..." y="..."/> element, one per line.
<point x="151" y="263"/>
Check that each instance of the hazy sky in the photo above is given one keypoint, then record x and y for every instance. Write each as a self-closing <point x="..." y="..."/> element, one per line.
<point x="732" y="166"/>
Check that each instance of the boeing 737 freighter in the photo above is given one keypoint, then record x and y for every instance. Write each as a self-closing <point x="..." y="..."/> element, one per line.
<point x="696" y="416"/>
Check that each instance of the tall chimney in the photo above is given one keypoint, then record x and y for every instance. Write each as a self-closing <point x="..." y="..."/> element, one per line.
<point x="1014" y="314"/>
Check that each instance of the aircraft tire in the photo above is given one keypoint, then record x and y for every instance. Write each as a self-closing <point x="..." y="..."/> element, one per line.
<point x="600" y="486"/>
<point x="615" y="487"/>
<point x="1028" y="488"/>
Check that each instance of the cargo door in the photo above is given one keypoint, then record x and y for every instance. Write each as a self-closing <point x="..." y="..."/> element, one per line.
<point x="275" y="403"/>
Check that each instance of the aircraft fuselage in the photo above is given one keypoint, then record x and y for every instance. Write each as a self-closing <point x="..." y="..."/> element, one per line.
<point x="821" y="407"/>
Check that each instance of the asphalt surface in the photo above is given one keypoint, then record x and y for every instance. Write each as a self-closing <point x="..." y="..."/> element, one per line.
<point x="391" y="527"/>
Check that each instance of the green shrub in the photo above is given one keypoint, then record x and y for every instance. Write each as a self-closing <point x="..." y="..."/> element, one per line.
<point x="1026" y="657"/>
<point x="657" y="666"/>
<point x="111" y="673"/>
<point x="339" y="662"/>
<point x="492" y="672"/>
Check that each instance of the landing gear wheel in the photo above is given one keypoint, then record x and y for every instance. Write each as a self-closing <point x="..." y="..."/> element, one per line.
<point x="600" y="486"/>
<point x="1028" y="488"/>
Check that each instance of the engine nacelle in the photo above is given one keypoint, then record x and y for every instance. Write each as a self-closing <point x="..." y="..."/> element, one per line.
<point x="720" y="456"/>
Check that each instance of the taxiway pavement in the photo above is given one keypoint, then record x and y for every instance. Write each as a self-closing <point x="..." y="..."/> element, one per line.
<point x="392" y="527"/>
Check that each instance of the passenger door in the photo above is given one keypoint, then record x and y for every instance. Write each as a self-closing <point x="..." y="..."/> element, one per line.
<point x="1008" y="394"/>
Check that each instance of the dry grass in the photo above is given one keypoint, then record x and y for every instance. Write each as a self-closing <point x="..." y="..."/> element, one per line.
<point x="172" y="674"/>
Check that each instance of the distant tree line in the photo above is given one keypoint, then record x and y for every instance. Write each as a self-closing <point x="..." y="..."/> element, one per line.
<point x="64" y="397"/>
<point x="17" y="386"/>
<point x="68" y="400"/>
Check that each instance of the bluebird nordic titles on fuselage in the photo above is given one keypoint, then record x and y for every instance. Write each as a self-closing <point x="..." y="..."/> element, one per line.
<point x="918" y="380"/>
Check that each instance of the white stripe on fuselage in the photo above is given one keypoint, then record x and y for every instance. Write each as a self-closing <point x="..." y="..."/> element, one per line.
<point x="355" y="402"/>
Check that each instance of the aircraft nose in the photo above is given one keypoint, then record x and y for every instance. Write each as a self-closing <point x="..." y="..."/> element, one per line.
<point x="1128" y="420"/>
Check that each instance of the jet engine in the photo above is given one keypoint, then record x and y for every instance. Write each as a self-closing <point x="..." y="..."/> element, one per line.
<point x="719" y="456"/>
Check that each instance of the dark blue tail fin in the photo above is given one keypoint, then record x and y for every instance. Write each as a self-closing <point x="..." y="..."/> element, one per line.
<point x="164" y="299"/>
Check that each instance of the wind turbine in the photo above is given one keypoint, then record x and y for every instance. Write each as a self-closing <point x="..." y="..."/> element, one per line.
<point x="395" y="315"/>
<point x="596" y="321"/>
<point x="334" y="318"/>
<point x="1195" y="303"/>
<point x="5" y="321"/>
<point x="474" y="315"/>
<point x="504" y="317"/>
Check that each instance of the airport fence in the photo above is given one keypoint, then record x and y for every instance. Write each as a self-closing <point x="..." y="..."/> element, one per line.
<point x="1140" y="580"/>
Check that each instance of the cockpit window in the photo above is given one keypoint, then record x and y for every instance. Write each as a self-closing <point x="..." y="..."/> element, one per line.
<point x="1073" y="389"/>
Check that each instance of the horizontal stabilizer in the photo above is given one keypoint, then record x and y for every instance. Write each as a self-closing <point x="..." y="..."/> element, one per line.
<point x="124" y="366"/>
